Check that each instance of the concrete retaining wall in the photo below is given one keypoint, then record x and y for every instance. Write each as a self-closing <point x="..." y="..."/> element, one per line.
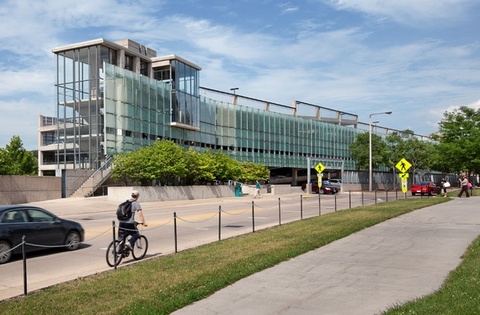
<point x="163" y="193"/>
<point x="23" y="189"/>
<point x="156" y="193"/>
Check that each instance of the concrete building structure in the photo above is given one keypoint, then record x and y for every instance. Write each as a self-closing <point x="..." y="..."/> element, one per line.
<point x="114" y="97"/>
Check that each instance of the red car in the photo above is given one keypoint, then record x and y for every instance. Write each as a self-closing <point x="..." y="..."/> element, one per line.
<point x="425" y="188"/>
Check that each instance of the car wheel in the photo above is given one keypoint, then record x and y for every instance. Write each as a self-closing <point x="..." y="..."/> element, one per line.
<point x="73" y="240"/>
<point x="5" y="252"/>
<point x="321" y="191"/>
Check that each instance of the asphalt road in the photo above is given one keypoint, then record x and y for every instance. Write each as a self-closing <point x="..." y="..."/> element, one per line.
<point x="197" y="222"/>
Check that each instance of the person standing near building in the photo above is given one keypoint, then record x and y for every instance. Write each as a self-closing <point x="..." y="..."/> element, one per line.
<point x="257" y="190"/>
<point x="464" y="187"/>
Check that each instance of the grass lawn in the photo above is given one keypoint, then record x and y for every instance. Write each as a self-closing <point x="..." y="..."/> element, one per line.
<point x="165" y="284"/>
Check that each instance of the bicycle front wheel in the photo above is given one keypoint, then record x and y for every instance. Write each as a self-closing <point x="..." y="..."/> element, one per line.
<point x="113" y="260"/>
<point x="140" y="248"/>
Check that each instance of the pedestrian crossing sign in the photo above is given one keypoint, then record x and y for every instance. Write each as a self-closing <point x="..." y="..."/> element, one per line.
<point x="320" y="167"/>
<point x="403" y="165"/>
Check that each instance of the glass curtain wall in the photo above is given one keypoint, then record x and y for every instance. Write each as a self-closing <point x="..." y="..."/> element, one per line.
<point x="137" y="112"/>
<point x="78" y="108"/>
<point x="277" y="140"/>
<point x="186" y="99"/>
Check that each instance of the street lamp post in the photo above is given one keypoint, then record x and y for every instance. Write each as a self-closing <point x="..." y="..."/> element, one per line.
<point x="370" y="166"/>
<point x="234" y="90"/>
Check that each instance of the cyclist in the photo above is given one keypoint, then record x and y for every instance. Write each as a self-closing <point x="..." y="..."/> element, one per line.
<point x="128" y="227"/>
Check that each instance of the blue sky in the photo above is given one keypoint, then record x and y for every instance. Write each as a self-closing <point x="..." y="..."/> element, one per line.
<point x="418" y="59"/>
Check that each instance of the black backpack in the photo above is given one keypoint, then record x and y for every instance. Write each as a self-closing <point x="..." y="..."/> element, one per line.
<point x="124" y="210"/>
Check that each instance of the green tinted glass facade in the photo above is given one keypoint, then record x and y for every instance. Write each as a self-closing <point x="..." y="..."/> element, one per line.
<point x="138" y="112"/>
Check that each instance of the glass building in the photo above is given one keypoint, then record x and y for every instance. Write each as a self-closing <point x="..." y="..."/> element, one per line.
<point x="114" y="97"/>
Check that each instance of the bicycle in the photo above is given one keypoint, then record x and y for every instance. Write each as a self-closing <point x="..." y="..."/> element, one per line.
<point x="117" y="250"/>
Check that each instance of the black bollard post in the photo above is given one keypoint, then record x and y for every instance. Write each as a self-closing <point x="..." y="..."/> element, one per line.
<point x="220" y="223"/>
<point x="319" y="203"/>
<point x="349" y="199"/>
<point x="279" y="213"/>
<point x="175" y="231"/>
<point x="24" y="254"/>
<point x="301" y="207"/>
<point x="253" y="216"/>
<point x="114" y="247"/>
<point x="335" y="202"/>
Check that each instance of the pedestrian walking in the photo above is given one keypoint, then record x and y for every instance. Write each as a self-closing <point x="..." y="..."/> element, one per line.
<point x="464" y="187"/>
<point x="257" y="190"/>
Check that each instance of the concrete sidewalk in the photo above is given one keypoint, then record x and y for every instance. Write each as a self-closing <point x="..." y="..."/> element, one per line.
<point x="365" y="273"/>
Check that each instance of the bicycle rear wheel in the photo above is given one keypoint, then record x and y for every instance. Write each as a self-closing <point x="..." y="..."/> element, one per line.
<point x="140" y="248"/>
<point x="113" y="260"/>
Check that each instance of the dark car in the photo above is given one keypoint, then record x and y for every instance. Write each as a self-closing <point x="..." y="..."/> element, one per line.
<point x="41" y="228"/>
<point x="326" y="188"/>
<point x="425" y="188"/>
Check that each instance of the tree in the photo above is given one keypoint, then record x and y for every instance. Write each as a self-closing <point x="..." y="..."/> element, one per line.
<point x="163" y="161"/>
<point x="419" y="154"/>
<point x="16" y="160"/>
<point x="227" y="168"/>
<point x="251" y="172"/>
<point x="458" y="136"/>
<point x="202" y="167"/>
<point x="170" y="164"/>
<point x="360" y="150"/>
<point x="124" y="167"/>
<point x="168" y="161"/>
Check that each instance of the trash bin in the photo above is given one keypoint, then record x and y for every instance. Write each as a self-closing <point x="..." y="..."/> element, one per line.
<point x="269" y="189"/>
<point x="238" y="190"/>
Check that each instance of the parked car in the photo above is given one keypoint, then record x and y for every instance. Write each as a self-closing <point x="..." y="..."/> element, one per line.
<point x="39" y="226"/>
<point x="336" y="182"/>
<point x="425" y="188"/>
<point x="326" y="188"/>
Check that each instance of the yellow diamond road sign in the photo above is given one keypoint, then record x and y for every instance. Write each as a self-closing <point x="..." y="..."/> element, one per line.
<point x="403" y="165"/>
<point x="319" y="167"/>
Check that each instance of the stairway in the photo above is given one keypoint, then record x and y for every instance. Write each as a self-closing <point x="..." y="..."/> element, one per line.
<point x="95" y="181"/>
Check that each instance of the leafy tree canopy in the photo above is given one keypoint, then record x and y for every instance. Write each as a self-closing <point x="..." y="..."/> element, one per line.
<point x="458" y="135"/>
<point x="169" y="164"/>
<point x="16" y="160"/>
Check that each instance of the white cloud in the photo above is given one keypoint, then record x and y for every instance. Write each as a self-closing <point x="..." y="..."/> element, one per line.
<point x="406" y="11"/>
